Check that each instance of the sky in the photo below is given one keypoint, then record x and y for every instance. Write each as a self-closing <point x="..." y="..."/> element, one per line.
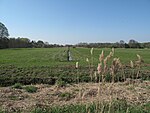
<point x="74" y="21"/>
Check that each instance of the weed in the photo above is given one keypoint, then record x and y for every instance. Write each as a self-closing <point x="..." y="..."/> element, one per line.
<point x="31" y="89"/>
<point x="17" y="86"/>
<point x="65" y="96"/>
<point x="60" y="82"/>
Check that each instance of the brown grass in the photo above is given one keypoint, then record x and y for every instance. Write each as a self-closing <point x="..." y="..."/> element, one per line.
<point x="18" y="100"/>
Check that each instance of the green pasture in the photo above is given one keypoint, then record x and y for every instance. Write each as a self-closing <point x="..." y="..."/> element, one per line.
<point x="48" y="65"/>
<point x="51" y="57"/>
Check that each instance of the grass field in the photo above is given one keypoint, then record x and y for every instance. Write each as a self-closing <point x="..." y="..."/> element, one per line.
<point x="36" y="65"/>
<point x="52" y="57"/>
<point x="41" y="80"/>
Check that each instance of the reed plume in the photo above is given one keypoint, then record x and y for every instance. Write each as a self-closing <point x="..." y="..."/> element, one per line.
<point x="116" y="65"/>
<point x="101" y="57"/>
<point x="91" y="51"/>
<point x="113" y="51"/>
<point x="99" y="68"/>
<point x="77" y="65"/>
<point x="131" y="64"/>
<point x="87" y="60"/>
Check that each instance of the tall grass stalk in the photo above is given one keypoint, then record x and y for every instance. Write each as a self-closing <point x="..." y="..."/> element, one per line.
<point x="92" y="64"/>
<point x="92" y="59"/>
<point x="138" y="63"/>
<point x="132" y="69"/>
<point x="77" y="74"/>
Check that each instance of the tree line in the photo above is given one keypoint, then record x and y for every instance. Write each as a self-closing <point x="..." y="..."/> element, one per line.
<point x="131" y="44"/>
<point x="24" y="43"/>
<point x="6" y="42"/>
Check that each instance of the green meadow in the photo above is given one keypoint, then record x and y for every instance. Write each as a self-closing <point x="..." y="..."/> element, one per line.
<point x="51" y="57"/>
<point x="46" y="65"/>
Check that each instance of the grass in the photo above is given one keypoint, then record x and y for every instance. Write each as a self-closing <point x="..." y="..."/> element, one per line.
<point x="60" y="83"/>
<point x="51" y="99"/>
<point x="65" y="96"/>
<point x="47" y="65"/>
<point x="31" y="89"/>
<point x="52" y="57"/>
<point x="119" y="106"/>
<point x="50" y="66"/>
<point x="17" y="86"/>
<point x="30" y="57"/>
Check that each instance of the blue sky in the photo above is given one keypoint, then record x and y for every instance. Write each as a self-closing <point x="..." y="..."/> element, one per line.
<point x="74" y="21"/>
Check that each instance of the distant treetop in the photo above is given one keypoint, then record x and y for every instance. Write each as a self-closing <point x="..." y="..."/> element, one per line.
<point x="3" y="31"/>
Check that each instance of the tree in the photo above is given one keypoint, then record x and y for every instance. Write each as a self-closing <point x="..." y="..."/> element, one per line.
<point x="3" y="31"/>
<point x="146" y="45"/>
<point x="24" y="42"/>
<point x="122" y="44"/>
<point x="3" y="36"/>
<point x="133" y="44"/>
<point x="40" y="43"/>
<point x="126" y="45"/>
<point x="46" y="44"/>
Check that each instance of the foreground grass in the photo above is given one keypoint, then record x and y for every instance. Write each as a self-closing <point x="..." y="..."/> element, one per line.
<point x="117" y="97"/>
<point x="119" y="106"/>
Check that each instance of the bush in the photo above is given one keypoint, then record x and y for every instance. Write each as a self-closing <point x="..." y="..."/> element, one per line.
<point x="17" y="86"/>
<point x="31" y="89"/>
